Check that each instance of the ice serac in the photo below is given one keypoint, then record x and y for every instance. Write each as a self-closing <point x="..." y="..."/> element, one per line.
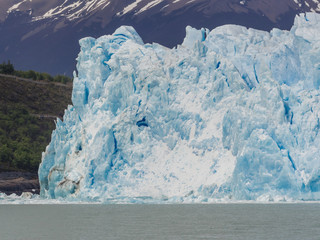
<point x="229" y="114"/>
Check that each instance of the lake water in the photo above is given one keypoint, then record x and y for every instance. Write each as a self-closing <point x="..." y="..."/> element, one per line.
<point x="194" y="221"/>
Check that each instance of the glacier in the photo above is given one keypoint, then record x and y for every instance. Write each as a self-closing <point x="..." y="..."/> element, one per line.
<point x="230" y="114"/>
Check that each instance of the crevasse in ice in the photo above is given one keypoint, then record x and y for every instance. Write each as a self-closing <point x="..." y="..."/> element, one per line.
<point x="228" y="114"/>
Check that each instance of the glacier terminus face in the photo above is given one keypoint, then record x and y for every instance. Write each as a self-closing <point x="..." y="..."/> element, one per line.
<point x="230" y="114"/>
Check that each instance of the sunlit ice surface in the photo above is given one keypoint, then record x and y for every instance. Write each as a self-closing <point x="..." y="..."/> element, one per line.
<point x="231" y="114"/>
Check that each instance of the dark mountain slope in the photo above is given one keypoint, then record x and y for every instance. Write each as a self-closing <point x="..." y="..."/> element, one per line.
<point x="27" y="113"/>
<point x="43" y="34"/>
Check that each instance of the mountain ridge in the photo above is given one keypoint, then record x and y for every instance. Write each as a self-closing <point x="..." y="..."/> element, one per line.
<point x="43" y="35"/>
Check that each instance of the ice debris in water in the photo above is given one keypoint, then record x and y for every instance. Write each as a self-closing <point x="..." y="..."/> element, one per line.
<point x="229" y="114"/>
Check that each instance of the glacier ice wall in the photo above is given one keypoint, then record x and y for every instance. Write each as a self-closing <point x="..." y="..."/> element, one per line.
<point x="228" y="114"/>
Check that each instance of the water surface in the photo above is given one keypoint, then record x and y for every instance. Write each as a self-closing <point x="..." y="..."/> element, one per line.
<point x="186" y="221"/>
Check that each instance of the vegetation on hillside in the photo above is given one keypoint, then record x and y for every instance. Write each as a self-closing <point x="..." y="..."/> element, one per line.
<point x="25" y="128"/>
<point x="8" y="68"/>
<point x="22" y="138"/>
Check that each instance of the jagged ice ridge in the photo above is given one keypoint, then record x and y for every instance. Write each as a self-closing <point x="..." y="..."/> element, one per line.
<point x="228" y="114"/>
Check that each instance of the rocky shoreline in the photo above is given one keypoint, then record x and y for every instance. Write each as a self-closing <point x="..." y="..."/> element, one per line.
<point x="19" y="182"/>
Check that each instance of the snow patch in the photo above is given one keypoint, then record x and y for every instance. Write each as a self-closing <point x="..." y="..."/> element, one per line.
<point x="129" y="8"/>
<point x="149" y="5"/>
<point x="74" y="10"/>
<point x="15" y="7"/>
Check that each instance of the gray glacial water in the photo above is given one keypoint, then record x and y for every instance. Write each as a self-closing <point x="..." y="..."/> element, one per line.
<point x="186" y="221"/>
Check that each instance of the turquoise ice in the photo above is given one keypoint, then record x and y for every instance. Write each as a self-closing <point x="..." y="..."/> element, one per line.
<point x="231" y="113"/>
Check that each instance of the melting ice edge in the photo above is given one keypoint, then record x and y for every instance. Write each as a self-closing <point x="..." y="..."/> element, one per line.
<point x="228" y="114"/>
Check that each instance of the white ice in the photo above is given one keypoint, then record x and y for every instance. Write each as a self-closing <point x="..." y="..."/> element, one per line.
<point x="231" y="114"/>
